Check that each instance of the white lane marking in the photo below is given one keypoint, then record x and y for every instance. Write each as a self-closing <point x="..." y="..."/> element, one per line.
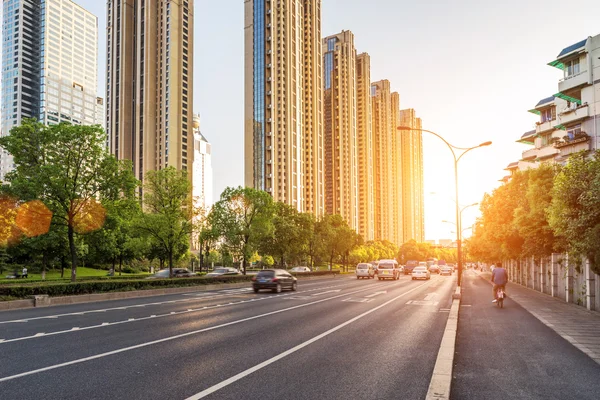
<point x="75" y="328"/>
<point x="351" y="300"/>
<point x="105" y="323"/>
<point x="328" y="291"/>
<point x="208" y="297"/>
<point x="167" y="339"/>
<point x="377" y="293"/>
<point x="278" y="357"/>
<point x="422" y="303"/>
<point x="431" y="296"/>
<point x="131" y="320"/>
<point x="39" y="334"/>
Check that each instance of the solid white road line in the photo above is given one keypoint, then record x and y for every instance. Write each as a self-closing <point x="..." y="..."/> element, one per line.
<point x="377" y="294"/>
<point x="278" y="357"/>
<point x="167" y="339"/>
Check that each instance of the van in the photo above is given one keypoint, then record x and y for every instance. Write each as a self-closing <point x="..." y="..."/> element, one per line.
<point x="388" y="269"/>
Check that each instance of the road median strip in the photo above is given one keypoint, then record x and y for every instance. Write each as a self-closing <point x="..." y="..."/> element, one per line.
<point x="441" y="379"/>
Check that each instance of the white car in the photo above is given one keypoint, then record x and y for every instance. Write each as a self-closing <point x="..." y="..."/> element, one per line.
<point x="300" y="269"/>
<point x="421" y="273"/>
<point x="223" y="271"/>
<point x="365" y="270"/>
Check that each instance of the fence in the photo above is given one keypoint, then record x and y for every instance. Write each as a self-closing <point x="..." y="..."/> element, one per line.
<point x="571" y="280"/>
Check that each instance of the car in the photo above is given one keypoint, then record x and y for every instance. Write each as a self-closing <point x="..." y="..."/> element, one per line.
<point x="446" y="270"/>
<point x="275" y="280"/>
<point x="410" y="264"/>
<point x="434" y="269"/>
<point x="365" y="270"/>
<point x="388" y="269"/>
<point x="223" y="271"/>
<point x="177" y="273"/>
<point x="300" y="269"/>
<point x="421" y="272"/>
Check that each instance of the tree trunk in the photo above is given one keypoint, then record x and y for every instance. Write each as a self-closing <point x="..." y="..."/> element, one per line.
<point x="114" y="262"/>
<point x="244" y="265"/>
<point x="71" y="234"/>
<point x="170" y="264"/>
<point x="44" y="262"/>
<point x="120" y="265"/>
<point x="331" y="262"/>
<point x="62" y="266"/>
<point x="282" y="262"/>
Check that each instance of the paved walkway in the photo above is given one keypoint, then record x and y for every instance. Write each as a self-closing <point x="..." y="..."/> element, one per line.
<point x="575" y="324"/>
<point x="510" y="354"/>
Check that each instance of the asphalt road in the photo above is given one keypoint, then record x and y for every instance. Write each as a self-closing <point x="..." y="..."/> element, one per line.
<point x="334" y="338"/>
<point x="509" y="354"/>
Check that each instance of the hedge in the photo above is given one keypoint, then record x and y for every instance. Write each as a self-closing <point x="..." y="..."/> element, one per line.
<point x="122" y="285"/>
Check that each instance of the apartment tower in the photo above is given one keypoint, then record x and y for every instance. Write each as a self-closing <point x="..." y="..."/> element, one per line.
<point x="283" y="102"/>
<point x="202" y="173"/>
<point x="149" y="83"/>
<point x="396" y="175"/>
<point x="339" y="116"/>
<point x="364" y="143"/>
<point x="49" y="66"/>
<point x="382" y="157"/>
<point x="412" y="177"/>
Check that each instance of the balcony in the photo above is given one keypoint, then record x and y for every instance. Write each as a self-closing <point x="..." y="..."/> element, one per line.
<point x="573" y="81"/>
<point x="581" y="142"/>
<point x="546" y="152"/>
<point x="570" y="116"/>
<point x="541" y="127"/>
<point x="530" y="154"/>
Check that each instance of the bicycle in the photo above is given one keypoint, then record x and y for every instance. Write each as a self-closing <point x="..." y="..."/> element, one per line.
<point x="500" y="297"/>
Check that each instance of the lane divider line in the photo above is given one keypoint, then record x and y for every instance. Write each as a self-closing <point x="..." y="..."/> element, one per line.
<point x="182" y="335"/>
<point x="262" y="365"/>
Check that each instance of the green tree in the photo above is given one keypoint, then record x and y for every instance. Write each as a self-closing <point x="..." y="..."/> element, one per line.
<point x="67" y="167"/>
<point x="167" y="219"/>
<point x="574" y="214"/>
<point x="243" y="217"/>
<point x="288" y="238"/>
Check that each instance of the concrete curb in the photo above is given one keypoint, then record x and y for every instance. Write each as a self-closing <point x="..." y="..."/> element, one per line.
<point x="46" y="301"/>
<point x="441" y="379"/>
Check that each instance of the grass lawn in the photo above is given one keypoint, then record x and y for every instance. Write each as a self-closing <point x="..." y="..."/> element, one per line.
<point x="54" y="275"/>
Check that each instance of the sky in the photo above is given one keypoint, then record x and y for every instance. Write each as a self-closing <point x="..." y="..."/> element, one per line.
<point x="470" y="68"/>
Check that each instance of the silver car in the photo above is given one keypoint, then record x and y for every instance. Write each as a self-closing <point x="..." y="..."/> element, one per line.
<point x="365" y="270"/>
<point x="421" y="273"/>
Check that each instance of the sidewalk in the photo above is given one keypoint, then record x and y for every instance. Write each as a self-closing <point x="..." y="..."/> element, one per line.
<point x="510" y="354"/>
<point x="575" y="324"/>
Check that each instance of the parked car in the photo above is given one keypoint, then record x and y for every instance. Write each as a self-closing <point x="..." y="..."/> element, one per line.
<point x="177" y="273"/>
<point x="223" y="271"/>
<point x="421" y="272"/>
<point x="446" y="270"/>
<point x="365" y="270"/>
<point x="410" y="264"/>
<point x="434" y="269"/>
<point x="275" y="280"/>
<point x="300" y="269"/>
<point x="388" y="269"/>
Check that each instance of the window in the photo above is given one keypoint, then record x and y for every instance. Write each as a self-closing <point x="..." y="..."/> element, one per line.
<point x="572" y="67"/>
<point x="549" y="114"/>
<point x="574" y="132"/>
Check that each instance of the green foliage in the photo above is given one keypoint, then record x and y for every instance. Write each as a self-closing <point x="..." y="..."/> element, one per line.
<point x="168" y="218"/>
<point x="412" y="250"/>
<point x="574" y="214"/>
<point x="68" y="168"/>
<point x="268" y="261"/>
<point x="290" y="235"/>
<point x="243" y="217"/>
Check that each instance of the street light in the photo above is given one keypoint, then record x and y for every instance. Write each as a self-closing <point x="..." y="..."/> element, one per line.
<point x="453" y="149"/>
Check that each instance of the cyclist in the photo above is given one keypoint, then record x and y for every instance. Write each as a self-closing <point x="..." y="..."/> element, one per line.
<point x="499" y="279"/>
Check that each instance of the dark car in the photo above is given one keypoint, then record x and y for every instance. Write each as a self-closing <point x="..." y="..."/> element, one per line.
<point x="274" y="279"/>
<point x="410" y="265"/>
<point x="177" y="273"/>
<point x="434" y="269"/>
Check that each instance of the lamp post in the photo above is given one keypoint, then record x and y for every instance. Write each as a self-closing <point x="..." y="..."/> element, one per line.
<point x="457" y="157"/>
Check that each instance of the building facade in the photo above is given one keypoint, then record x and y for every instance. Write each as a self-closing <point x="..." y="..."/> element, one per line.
<point x="339" y="116"/>
<point x="569" y="120"/>
<point x="202" y="173"/>
<point x="382" y="159"/>
<point x="413" y="202"/>
<point x="364" y="143"/>
<point x="396" y="150"/>
<point x="149" y="83"/>
<point x="283" y="143"/>
<point x="50" y="69"/>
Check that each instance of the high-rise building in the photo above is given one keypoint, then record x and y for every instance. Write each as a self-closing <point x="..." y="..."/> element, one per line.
<point x="202" y="175"/>
<point x="382" y="158"/>
<point x="396" y="175"/>
<point x="49" y="65"/>
<point x="283" y="101"/>
<point x="149" y="83"/>
<point x="412" y="177"/>
<point x="364" y="143"/>
<point x="339" y="115"/>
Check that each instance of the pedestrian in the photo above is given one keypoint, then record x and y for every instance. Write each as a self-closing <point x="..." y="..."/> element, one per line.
<point x="24" y="275"/>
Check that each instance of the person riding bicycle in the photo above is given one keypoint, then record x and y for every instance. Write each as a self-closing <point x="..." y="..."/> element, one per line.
<point x="499" y="279"/>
